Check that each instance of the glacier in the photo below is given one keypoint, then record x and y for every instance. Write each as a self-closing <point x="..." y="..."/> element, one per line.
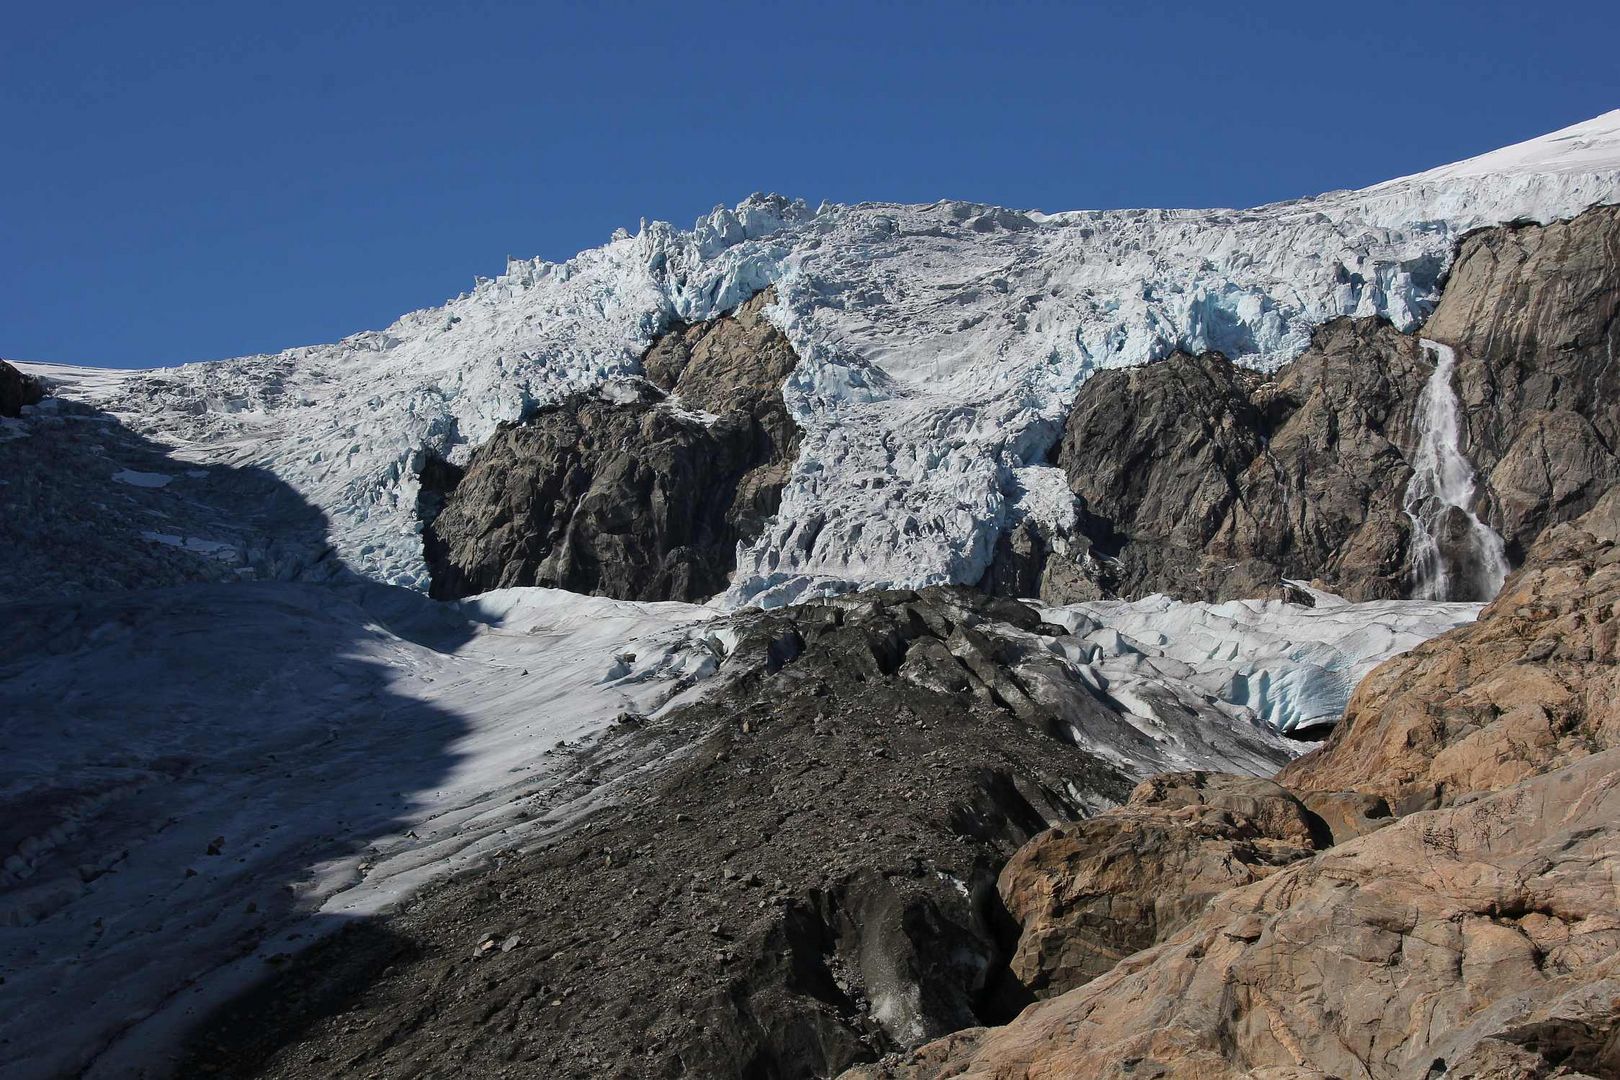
<point x="176" y="841"/>
<point x="940" y="346"/>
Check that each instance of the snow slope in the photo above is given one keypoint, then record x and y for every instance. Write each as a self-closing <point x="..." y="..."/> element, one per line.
<point x="198" y="779"/>
<point x="939" y="345"/>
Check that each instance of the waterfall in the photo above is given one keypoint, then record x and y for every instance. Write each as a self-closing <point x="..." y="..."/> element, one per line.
<point x="1453" y="555"/>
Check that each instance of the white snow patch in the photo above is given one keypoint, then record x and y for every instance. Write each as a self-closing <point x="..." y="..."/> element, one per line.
<point x="218" y="549"/>
<point x="336" y="747"/>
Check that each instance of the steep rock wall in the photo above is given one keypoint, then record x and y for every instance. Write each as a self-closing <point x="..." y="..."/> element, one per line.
<point x="642" y="495"/>
<point x="1199" y="479"/>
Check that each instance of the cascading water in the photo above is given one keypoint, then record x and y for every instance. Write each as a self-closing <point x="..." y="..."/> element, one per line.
<point x="1453" y="554"/>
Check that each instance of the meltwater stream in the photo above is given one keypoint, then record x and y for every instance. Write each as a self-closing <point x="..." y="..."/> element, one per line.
<point x="1453" y="555"/>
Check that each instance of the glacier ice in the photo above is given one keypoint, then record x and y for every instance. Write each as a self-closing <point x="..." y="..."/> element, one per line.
<point x="204" y="779"/>
<point x="1293" y="667"/>
<point x="939" y="346"/>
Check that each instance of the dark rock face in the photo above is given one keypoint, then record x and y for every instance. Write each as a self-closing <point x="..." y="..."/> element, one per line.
<point x="1207" y="481"/>
<point x="641" y="499"/>
<point x="1534" y="314"/>
<point x="1199" y="479"/>
<point x="17" y="390"/>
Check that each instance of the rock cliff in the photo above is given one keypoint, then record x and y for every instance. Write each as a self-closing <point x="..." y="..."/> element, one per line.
<point x="1206" y="481"/>
<point x="643" y="495"/>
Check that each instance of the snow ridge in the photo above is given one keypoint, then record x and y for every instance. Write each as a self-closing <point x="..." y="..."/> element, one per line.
<point x="940" y="347"/>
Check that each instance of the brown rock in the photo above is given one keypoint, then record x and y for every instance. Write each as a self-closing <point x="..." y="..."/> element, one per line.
<point x="1090" y="893"/>
<point x="1478" y="941"/>
<point x="1534" y="314"/>
<point x="1206" y="481"/>
<point x="1475" y="935"/>
<point x="1530" y="687"/>
<point x="1348" y="814"/>
<point x="638" y="500"/>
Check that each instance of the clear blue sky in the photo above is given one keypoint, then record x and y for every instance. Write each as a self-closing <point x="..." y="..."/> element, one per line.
<point x="191" y="181"/>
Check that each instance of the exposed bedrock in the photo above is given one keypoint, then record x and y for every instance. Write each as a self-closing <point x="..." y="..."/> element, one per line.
<point x="1474" y="932"/>
<point x="1534" y="315"/>
<point x="1089" y="894"/>
<point x="1204" y="480"/>
<point x="17" y="390"/>
<point x="1530" y="687"/>
<point x="643" y="495"/>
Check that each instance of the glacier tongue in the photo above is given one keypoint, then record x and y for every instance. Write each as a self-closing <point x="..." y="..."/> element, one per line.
<point x="940" y="346"/>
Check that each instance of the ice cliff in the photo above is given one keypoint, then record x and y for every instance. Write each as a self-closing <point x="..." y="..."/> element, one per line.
<point x="939" y="346"/>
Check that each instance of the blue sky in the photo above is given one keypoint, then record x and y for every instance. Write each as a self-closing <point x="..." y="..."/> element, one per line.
<point x="193" y="181"/>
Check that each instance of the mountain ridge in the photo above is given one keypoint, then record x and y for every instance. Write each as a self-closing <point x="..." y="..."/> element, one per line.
<point x="939" y="346"/>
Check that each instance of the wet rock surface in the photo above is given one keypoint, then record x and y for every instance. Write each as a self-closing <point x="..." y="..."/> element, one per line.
<point x="1534" y="314"/>
<point x="1216" y="483"/>
<point x="1528" y="688"/>
<point x="641" y="496"/>
<point x="1206" y="481"/>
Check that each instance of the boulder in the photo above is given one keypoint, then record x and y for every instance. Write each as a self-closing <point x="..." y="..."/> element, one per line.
<point x="17" y="390"/>
<point x="1089" y="893"/>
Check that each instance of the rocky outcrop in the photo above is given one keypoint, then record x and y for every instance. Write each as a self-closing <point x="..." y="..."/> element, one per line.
<point x="1088" y="894"/>
<point x="1530" y="687"/>
<point x="17" y="390"/>
<point x="1534" y="314"/>
<point x="1475" y="942"/>
<point x="643" y="495"/>
<point x="1201" y="479"/>
<point x="1473" y="933"/>
<point x="1206" y="481"/>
